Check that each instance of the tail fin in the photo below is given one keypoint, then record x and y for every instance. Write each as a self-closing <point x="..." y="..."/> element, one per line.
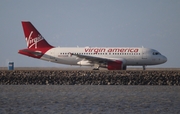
<point x="33" y="38"/>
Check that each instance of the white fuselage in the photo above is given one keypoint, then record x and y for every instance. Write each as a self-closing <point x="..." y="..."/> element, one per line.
<point x="133" y="56"/>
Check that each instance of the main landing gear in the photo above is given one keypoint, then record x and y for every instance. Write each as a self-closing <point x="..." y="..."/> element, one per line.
<point x="124" y="67"/>
<point x="96" y="67"/>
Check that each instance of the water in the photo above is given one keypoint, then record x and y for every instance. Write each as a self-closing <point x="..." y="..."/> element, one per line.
<point x="89" y="99"/>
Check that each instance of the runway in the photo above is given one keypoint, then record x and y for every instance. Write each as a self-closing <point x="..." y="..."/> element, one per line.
<point x="86" y="68"/>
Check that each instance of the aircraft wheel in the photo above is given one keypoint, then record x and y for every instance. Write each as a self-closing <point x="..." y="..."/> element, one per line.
<point x="124" y="67"/>
<point x="95" y="68"/>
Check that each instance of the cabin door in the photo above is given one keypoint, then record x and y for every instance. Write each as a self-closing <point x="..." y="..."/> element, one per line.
<point x="144" y="54"/>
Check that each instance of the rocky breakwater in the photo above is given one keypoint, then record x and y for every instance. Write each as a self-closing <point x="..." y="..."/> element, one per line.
<point x="55" y="77"/>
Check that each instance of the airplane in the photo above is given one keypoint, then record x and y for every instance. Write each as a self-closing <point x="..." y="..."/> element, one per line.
<point x="112" y="58"/>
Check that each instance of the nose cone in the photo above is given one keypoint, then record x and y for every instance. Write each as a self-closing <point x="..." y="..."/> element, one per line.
<point x="164" y="59"/>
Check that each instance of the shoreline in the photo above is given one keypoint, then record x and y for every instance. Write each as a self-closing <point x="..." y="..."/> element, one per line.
<point x="89" y="77"/>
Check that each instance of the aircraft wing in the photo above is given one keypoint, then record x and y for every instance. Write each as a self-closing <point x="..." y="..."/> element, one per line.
<point x="93" y="59"/>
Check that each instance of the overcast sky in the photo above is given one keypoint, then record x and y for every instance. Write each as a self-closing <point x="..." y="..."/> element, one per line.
<point x="114" y="23"/>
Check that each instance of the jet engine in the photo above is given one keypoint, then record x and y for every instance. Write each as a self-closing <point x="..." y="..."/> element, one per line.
<point x="115" y="65"/>
<point x="85" y="63"/>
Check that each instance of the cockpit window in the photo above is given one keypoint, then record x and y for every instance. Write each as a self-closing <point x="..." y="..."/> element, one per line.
<point x="156" y="53"/>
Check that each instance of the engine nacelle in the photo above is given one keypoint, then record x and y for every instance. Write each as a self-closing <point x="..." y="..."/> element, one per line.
<point x="115" y="65"/>
<point x="84" y="63"/>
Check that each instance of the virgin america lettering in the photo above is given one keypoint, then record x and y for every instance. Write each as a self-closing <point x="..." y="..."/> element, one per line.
<point x="109" y="50"/>
<point x="33" y="41"/>
<point x="95" y="50"/>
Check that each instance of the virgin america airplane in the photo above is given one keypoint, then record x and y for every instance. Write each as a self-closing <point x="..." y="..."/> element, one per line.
<point x="112" y="58"/>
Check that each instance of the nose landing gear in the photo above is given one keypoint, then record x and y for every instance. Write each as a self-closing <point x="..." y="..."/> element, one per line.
<point x="144" y="67"/>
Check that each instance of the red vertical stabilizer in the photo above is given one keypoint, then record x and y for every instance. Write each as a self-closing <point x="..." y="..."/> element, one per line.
<point x="37" y="46"/>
